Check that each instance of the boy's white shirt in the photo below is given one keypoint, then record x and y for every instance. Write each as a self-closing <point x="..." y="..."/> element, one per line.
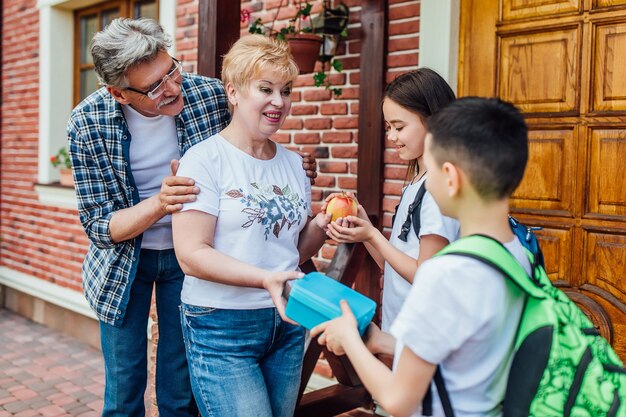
<point x="221" y="171"/>
<point x="395" y="287"/>
<point x="462" y="315"/>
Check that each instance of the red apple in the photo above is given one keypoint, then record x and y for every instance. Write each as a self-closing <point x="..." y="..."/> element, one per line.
<point x="341" y="206"/>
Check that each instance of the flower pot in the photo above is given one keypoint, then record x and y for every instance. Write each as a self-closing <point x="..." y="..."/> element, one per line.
<point x="66" y="179"/>
<point x="305" y="48"/>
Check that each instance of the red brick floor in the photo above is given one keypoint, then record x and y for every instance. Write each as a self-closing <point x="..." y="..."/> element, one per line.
<point x="44" y="373"/>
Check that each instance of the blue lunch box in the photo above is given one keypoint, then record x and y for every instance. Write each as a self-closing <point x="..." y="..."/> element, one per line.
<point x="315" y="299"/>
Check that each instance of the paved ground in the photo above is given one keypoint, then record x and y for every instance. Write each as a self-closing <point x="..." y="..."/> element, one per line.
<point x="44" y="373"/>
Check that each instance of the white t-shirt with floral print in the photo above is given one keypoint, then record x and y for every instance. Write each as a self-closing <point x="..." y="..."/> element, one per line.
<point x="261" y="206"/>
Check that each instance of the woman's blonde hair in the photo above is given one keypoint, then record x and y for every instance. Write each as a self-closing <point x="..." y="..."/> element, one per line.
<point x="253" y="54"/>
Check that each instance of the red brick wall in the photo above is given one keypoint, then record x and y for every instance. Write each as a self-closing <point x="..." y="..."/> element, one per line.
<point x="49" y="243"/>
<point x="39" y="240"/>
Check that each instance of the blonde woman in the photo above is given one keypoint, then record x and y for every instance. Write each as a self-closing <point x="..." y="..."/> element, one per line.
<point x="242" y="239"/>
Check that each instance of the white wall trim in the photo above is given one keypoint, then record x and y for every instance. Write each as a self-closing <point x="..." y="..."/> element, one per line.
<point x="56" y="40"/>
<point x="439" y="38"/>
<point x="47" y="291"/>
<point x="57" y="196"/>
<point x="167" y="18"/>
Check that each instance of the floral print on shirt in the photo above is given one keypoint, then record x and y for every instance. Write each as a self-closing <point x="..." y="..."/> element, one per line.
<point x="271" y="206"/>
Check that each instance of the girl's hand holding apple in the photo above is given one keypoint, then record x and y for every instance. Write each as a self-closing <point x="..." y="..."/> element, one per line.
<point x="351" y="229"/>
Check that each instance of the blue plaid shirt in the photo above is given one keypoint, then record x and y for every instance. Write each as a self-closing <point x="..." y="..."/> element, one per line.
<point x="99" y="143"/>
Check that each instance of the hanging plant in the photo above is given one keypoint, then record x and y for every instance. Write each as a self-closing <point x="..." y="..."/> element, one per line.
<point x="307" y="41"/>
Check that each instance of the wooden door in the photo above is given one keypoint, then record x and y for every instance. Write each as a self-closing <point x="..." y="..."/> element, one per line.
<point x="563" y="62"/>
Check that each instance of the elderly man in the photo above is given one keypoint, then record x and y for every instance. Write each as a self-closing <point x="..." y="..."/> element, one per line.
<point x="125" y="141"/>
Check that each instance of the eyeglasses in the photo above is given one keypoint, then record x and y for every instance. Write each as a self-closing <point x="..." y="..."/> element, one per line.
<point x="156" y="90"/>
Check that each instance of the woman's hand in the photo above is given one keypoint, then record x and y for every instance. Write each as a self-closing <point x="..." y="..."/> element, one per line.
<point x="351" y="229"/>
<point x="335" y="333"/>
<point x="322" y="220"/>
<point x="274" y="283"/>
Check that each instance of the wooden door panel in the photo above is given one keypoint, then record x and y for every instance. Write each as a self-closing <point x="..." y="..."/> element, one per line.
<point x="526" y="80"/>
<point x="608" y="313"/>
<point x="548" y="183"/>
<point x="519" y="9"/>
<point x="605" y="262"/>
<point x="607" y="174"/>
<point x="556" y="245"/>
<point x="603" y="281"/>
<point x="603" y="4"/>
<point x="609" y="57"/>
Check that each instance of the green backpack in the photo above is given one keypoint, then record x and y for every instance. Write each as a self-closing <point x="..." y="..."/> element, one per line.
<point x="561" y="365"/>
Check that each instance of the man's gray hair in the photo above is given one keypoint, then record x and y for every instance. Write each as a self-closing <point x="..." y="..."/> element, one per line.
<point x="123" y="44"/>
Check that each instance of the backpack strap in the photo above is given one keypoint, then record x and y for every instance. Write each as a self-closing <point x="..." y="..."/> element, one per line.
<point x="413" y="216"/>
<point x="494" y="254"/>
<point x="427" y="402"/>
<point x="526" y="236"/>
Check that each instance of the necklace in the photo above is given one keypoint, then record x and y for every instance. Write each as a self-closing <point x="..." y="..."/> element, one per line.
<point x="415" y="179"/>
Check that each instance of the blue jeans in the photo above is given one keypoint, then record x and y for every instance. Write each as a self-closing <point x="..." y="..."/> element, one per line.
<point x="125" y="348"/>
<point x="243" y="363"/>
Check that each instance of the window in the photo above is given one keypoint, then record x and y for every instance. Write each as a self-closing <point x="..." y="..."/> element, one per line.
<point x="59" y="76"/>
<point x="93" y="19"/>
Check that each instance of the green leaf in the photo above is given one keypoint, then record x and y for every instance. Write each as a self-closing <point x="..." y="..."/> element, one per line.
<point x="306" y="10"/>
<point x="256" y="27"/>
<point x="319" y="78"/>
<point x="337" y="65"/>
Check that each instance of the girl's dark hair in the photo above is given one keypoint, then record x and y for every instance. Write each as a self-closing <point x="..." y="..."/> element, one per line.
<point x="421" y="91"/>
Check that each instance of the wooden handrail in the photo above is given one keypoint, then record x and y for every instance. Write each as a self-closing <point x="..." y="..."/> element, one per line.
<point x="349" y="393"/>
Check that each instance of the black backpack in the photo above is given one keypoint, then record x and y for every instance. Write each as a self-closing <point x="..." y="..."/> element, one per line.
<point x="525" y="234"/>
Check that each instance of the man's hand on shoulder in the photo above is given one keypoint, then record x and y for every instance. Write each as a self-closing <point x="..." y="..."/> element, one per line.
<point x="309" y="164"/>
<point x="175" y="191"/>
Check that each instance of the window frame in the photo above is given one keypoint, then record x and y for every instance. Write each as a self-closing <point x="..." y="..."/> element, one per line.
<point x="126" y="8"/>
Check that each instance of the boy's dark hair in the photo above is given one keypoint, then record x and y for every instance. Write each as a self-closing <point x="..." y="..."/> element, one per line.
<point x="487" y="139"/>
<point x="421" y="91"/>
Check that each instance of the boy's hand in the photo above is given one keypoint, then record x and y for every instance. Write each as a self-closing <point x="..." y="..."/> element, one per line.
<point x="335" y="333"/>
<point x="175" y="191"/>
<point x="372" y="336"/>
<point x="274" y="283"/>
<point x="351" y="229"/>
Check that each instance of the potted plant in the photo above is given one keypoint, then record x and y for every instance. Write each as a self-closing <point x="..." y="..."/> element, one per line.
<point x="304" y="44"/>
<point x="62" y="160"/>
<point x="305" y="37"/>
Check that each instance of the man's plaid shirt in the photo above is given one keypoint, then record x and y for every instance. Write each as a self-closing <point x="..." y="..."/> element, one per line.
<point x="99" y="143"/>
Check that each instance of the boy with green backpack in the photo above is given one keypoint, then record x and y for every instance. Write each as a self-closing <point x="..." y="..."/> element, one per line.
<point x="482" y="319"/>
